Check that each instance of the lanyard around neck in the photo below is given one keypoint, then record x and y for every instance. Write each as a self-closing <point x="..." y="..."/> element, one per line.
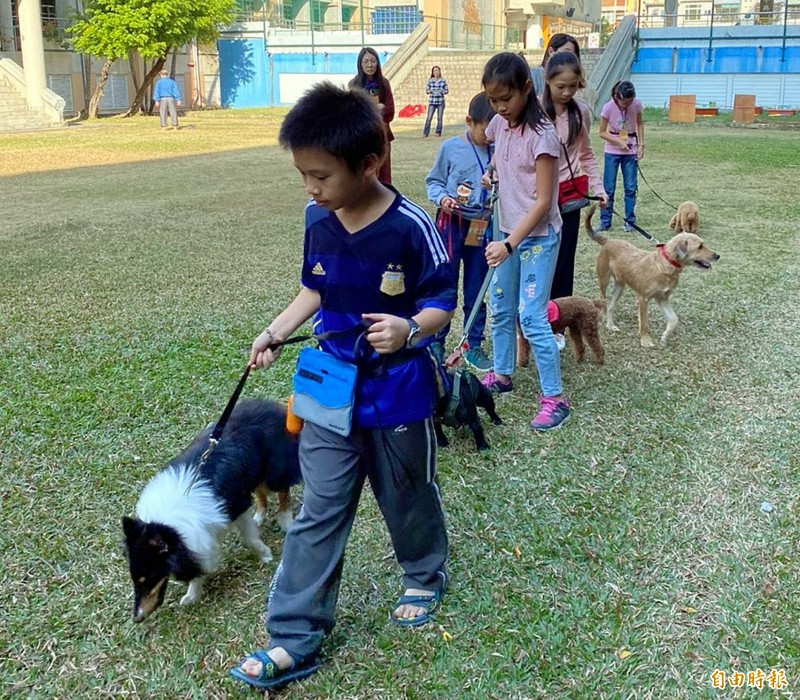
<point x="477" y="155"/>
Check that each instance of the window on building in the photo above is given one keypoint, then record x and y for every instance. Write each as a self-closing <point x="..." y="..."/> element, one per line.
<point x="691" y="12"/>
<point x="397" y="19"/>
<point x="48" y="9"/>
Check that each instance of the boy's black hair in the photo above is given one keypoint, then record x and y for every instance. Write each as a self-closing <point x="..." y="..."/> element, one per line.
<point x="480" y="110"/>
<point x="623" y="90"/>
<point x="512" y="71"/>
<point x="556" y="42"/>
<point x="557" y="63"/>
<point x="345" y="123"/>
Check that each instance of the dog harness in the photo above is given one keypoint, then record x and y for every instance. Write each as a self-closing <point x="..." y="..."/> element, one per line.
<point x="553" y="314"/>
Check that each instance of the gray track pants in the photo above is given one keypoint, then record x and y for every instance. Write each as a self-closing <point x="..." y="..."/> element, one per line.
<point x="400" y="464"/>
<point x="168" y="104"/>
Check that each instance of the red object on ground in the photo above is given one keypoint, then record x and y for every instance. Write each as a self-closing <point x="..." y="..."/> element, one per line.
<point x="411" y="111"/>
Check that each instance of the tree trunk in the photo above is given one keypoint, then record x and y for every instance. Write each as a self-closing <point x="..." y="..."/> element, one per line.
<point x="133" y="63"/>
<point x="94" y="103"/>
<point x="136" y="105"/>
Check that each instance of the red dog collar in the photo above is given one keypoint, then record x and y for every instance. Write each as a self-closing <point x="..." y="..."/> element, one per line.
<point x="666" y="257"/>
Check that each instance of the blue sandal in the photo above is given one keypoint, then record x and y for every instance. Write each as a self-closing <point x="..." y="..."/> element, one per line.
<point x="429" y="602"/>
<point x="271" y="676"/>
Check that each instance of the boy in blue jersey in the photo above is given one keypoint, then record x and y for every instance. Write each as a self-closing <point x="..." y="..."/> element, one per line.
<point x="454" y="185"/>
<point x="371" y="258"/>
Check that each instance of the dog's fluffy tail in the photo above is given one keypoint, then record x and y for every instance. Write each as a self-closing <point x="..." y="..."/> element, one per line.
<point x="587" y="224"/>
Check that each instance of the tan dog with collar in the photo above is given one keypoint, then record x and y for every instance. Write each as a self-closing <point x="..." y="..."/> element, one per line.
<point x="652" y="274"/>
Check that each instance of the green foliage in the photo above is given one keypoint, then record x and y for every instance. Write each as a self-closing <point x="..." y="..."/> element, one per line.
<point x="113" y="28"/>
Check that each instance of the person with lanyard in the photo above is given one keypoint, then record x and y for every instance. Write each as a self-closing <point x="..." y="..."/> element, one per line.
<point x="370" y="79"/>
<point x="622" y="128"/>
<point x="454" y="185"/>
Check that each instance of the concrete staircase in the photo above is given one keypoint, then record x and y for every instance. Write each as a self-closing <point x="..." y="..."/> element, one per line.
<point x="463" y="71"/>
<point x="14" y="112"/>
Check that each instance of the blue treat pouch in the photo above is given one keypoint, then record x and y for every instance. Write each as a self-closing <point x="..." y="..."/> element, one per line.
<point x="324" y="388"/>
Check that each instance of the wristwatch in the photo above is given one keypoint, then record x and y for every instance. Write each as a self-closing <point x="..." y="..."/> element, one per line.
<point x="413" y="334"/>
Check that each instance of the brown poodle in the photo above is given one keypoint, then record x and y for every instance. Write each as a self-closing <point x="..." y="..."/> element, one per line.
<point x="687" y="218"/>
<point x="578" y="314"/>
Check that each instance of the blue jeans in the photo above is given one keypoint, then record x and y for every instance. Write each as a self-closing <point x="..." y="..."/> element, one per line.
<point x="454" y="230"/>
<point x="440" y="112"/>
<point x="521" y="287"/>
<point x="627" y="164"/>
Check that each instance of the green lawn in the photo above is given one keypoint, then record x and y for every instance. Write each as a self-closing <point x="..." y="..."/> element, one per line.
<point x="624" y="556"/>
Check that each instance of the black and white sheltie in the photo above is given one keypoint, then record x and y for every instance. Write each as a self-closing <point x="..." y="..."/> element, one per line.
<point x="184" y="513"/>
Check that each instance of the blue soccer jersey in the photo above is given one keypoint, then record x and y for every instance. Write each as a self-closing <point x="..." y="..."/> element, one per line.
<point x="396" y="265"/>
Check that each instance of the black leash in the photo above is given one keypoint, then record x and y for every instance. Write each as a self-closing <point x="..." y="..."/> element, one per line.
<point x="658" y="196"/>
<point x="636" y="228"/>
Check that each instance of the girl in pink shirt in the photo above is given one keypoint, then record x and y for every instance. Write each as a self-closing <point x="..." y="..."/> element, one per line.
<point x="622" y="128"/>
<point x="526" y="161"/>
<point x="572" y="118"/>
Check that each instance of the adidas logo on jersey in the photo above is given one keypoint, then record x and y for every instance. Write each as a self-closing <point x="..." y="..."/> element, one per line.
<point x="317" y="269"/>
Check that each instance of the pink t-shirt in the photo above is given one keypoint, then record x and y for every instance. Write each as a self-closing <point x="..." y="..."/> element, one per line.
<point x="515" y="154"/>
<point x="581" y="156"/>
<point x="622" y="120"/>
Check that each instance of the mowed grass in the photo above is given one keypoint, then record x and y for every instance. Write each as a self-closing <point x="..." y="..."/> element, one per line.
<point x="624" y="556"/>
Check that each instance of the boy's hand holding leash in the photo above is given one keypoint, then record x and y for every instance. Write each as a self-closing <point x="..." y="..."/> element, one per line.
<point x="261" y="352"/>
<point x="387" y="334"/>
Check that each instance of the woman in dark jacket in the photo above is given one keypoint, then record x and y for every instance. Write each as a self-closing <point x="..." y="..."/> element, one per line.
<point x="370" y="78"/>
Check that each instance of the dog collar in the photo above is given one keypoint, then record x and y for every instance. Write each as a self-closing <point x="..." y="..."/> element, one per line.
<point x="666" y="257"/>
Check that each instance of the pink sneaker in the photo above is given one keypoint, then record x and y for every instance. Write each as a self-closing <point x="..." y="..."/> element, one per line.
<point x="552" y="413"/>
<point x="498" y="386"/>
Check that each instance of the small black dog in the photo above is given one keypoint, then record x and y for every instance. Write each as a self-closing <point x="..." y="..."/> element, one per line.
<point x="472" y="395"/>
<point x="186" y="509"/>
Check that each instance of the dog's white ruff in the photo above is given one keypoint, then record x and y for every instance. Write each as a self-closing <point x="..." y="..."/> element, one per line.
<point x="192" y="509"/>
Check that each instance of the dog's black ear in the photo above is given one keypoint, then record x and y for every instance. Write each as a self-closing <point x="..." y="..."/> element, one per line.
<point x="131" y="527"/>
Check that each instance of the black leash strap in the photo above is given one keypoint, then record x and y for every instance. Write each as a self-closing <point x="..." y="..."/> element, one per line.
<point x="636" y="228"/>
<point x="658" y="196"/>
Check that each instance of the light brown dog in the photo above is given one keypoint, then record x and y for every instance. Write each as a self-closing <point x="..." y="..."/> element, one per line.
<point x="652" y="274"/>
<point x="687" y="218"/>
<point x="578" y="314"/>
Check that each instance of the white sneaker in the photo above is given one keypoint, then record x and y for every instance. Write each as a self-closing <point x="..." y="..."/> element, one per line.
<point x="561" y="341"/>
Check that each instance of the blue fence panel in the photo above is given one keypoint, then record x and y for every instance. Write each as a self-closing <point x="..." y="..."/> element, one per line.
<point x="735" y="59"/>
<point x="691" y="61"/>
<point x="243" y="73"/>
<point x="653" y="60"/>
<point x="790" y="64"/>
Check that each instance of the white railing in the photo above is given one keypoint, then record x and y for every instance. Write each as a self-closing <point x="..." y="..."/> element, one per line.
<point x="52" y="107"/>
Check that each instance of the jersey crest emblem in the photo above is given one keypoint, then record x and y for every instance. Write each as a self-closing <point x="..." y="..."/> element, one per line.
<point x="393" y="281"/>
<point x="317" y="269"/>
